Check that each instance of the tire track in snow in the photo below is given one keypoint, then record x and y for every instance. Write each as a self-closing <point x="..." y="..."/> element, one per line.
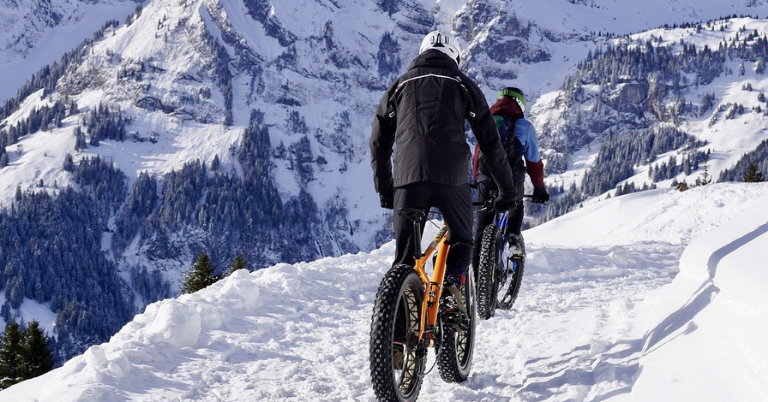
<point x="569" y="335"/>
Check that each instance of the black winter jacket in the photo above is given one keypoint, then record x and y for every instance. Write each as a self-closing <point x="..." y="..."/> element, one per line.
<point x="423" y="113"/>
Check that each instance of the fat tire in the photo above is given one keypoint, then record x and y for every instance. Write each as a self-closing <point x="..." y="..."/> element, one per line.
<point x="396" y="316"/>
<point x="457" y="347"/>
<point x="507" y="299"/>
<point x="487" y="272"/>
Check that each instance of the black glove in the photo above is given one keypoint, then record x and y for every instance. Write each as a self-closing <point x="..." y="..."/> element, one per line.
<point x="387" y="201"/>
<point x="540" y="195"/>
<point x="506" y="200"/>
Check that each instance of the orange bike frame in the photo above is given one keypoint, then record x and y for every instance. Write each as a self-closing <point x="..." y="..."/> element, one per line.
<point x="434" y="287"/>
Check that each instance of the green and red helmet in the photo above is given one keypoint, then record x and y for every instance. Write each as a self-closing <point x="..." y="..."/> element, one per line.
<point x="514" y="93"/>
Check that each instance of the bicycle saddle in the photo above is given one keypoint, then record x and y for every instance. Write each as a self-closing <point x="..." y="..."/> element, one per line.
<point x="414" y="214"/>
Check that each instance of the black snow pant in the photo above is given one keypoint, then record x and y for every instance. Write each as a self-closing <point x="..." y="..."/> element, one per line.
<point x="454" y="203"/>
<point x="515" y="218"/>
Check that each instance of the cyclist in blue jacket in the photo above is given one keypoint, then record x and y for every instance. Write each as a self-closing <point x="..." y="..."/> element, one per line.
<point x="518" y="137"/>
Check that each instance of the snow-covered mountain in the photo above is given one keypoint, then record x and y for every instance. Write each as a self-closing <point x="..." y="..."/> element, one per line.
<point x="241" y="126"/>
<point x="651" y="296"/>
<point x="36" y="33"/>
<point x="704" y="81"/>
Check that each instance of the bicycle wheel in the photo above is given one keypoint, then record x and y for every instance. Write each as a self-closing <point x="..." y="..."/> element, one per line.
<point x="397" y="360"/>
<point x="507" y="291"/>
<point x="487" y="272"/>
<point x="457" y="344"/>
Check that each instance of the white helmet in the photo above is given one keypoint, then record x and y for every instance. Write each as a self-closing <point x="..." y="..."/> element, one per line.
<point x="442" y="42"/>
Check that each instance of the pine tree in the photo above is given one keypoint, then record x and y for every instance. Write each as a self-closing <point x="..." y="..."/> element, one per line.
<point x="705" y="179"/>
<point x="69" y="163"/>
<point x="238" y="263"/>
<point x="36" y="355"/>
<point x="25" y="353"/>
<point x="10" y="362"/>
<point x="753" y="175"/>
<point x="200" y="276"/>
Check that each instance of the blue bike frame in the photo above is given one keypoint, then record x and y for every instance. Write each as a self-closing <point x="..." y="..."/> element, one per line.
<point x="502" y="221"/>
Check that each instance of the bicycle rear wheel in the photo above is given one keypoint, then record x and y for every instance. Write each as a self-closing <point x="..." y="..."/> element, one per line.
<point x="507" y="291"/>
<point x="487" y="272"/>
<point x="457" y="344"/>
<point x="396" y="357"/>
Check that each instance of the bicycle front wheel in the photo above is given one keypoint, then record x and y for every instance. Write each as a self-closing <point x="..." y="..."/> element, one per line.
<point x="396" y="357"/>
<point x="487" y="272"/>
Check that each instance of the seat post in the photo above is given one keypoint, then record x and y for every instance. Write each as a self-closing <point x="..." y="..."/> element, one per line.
<point x="417" y="237"/>
<point x="416" y="216"/>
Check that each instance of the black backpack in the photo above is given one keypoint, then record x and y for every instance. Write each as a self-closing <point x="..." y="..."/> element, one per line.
<point x="513" y="147"/>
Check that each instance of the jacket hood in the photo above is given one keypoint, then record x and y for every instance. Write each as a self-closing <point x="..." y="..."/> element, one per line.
<point x="433" y="58"/>
<point x="506" y="106"/>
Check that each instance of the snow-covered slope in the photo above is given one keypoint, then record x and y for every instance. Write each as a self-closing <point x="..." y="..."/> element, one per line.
<point x="733" y="124"/>
<point x="597" y="319"/>
<point x="37" y="33"/>
<point x="714" y="314"/>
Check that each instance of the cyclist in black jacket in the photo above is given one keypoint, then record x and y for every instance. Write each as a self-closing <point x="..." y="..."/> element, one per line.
<point x="422" y="114"/>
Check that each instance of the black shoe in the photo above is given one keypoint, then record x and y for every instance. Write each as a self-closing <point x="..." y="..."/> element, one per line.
<point x="453" y="301"/>
<point x="456" y="279"/>
<point x="453" y="312"/>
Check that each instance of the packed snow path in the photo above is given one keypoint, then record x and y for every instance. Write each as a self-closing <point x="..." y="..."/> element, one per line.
<point x="591" y="313"/>
<point x="300" y="333"/>
<point x="569" y="331"/>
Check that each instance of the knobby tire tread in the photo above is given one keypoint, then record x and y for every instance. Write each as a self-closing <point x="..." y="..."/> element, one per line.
<point x="454" y="367"/>
<point x="486" y="272"/>
<point x="396" y="281"/>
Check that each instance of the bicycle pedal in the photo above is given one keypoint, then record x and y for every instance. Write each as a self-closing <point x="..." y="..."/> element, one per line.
<point x="452" y="318"/>
<point x="449" y="304"/>
<point x="454" y="299"/>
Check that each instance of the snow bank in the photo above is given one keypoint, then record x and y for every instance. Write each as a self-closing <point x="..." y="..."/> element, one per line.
<point x="707" y="332"/>
<point x="663" y="215"/>
<point x="248" y="321"/>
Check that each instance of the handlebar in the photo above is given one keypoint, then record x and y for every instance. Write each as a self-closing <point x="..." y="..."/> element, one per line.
<point x="493" y="197"/>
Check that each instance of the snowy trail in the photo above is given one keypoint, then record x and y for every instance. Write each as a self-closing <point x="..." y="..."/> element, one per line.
<point x="569" y="321"/>
<point x="567" y="336"/>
